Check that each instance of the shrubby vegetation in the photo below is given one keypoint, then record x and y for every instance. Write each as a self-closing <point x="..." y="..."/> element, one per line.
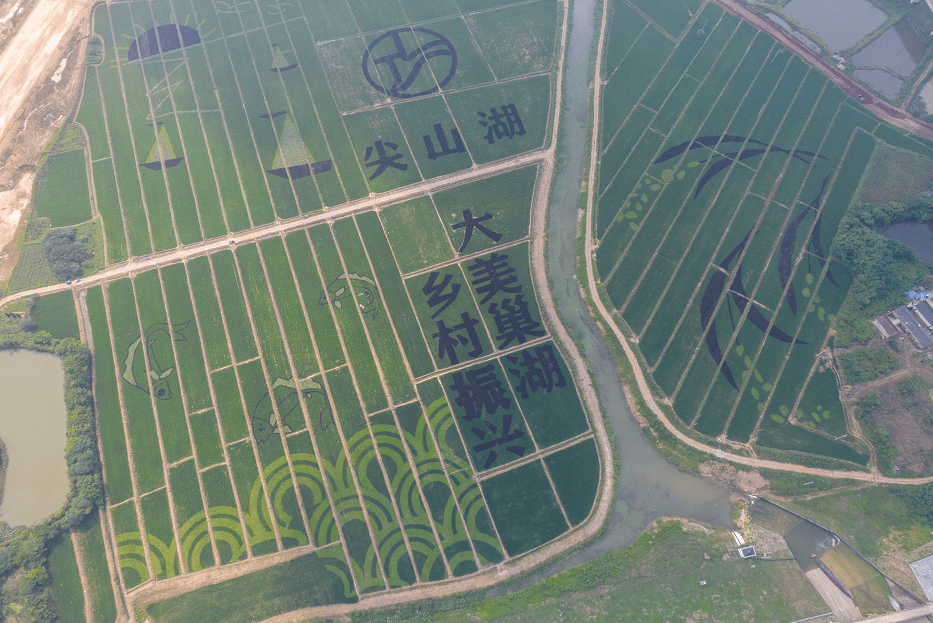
<point x="869" y="414"/>
<point x="23" y="555"/>
<point x="867" y="364"/>
<point x="65" y="253"/>
<point x="884" y="269"/>
<point x="919" y="499"/>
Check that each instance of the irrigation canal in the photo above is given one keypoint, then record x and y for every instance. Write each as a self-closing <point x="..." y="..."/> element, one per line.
<point x="648" y="486"/>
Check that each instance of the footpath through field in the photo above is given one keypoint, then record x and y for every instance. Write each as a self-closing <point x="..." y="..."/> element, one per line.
<point x="882" y="110"/>
<point x="186" y="252"/>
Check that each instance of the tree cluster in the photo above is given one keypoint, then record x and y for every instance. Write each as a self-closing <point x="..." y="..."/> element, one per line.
<point x="25" y="553"/>
<point x="884" y="269"/>
<point x="65" y="254"/>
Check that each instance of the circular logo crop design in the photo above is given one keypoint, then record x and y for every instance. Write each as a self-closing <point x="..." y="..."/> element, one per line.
<point x="388" y="57"/>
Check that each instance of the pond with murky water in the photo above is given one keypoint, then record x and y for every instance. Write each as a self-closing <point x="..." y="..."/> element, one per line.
<point x="32" y="427"/>
<point x="917" y="236"/>
<point x="888" y="51"/>
<point x="839" y="23"/>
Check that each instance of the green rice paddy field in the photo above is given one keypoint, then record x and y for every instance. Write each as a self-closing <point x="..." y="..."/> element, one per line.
<point x="726" y="166"/>
<point x="380" y="388"/>
<point x="421" y="427"/>
<point x="342" y="388"/>
<point x="207" y="118"/>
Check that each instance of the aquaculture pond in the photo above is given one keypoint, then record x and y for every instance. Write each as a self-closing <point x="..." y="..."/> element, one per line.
<point x="888" y="85"/>
<point x="889" y="51"/>
<point x="839" y="23"/>
<point x="32" y="427"/>
<point x="917" y="236"/>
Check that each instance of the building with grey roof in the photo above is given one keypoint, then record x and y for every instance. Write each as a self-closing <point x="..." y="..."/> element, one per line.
<point x="907" y="319"/>
<point x="925" y="312"/>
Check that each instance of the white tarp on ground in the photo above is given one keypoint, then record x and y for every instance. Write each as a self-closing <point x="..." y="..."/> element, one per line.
<point x="923" y="571"/>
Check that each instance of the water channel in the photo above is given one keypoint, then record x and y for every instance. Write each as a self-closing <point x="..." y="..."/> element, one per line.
<point x="648" y="486"/>
<point x="32" y="427"/>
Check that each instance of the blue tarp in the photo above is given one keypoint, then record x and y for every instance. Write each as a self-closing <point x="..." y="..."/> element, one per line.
<point x="918" y="296"/>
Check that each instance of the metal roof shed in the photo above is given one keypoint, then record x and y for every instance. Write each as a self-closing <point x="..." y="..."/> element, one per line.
<point x="910" y="323"/>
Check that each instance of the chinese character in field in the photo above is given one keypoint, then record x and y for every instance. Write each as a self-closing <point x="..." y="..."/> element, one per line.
<point x="446" y="149"/>
<point x="492" y="276"/>
<point x="448" y="340"/>
<point x="479" y="391"/>
<point x="540" y="370"/>
<point x="435" y="292"/>
<point x="383" y="161"/>
<point x="504" y="124"/>
<point x="514" y="321"/>
<point x="504" y="437"/>
<point x="470" y="222"/>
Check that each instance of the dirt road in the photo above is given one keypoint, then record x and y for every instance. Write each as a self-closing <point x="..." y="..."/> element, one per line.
<point x="163" y="258"/>
<point x="30" y="55"/>
<point x="854" y="90"/>
<point x="40" y="41"/>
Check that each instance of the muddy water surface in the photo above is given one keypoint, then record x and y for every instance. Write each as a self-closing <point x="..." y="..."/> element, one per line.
<point x="32" y="427"/>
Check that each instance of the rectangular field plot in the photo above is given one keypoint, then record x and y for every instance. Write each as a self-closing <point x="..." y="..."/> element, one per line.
<point x="494" y="431"/>
<point x="131" y="554"/>
<point x="505" y="198"/>
<point x="517" y="40"/>
<point x="524" y="508"/>
<point x="429" y="246"/>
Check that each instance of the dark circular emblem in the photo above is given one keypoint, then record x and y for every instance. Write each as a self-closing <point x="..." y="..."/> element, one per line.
<point x="387" y="57"/>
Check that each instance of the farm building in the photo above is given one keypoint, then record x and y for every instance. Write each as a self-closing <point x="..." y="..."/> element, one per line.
<point x="885" y="326"/>
<point x="925" y="312"/>
<point x="909" y="322"/>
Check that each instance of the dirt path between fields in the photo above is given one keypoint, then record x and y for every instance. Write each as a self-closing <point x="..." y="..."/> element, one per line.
<point x="85" y="586"/>
<point x="854" y="90"/>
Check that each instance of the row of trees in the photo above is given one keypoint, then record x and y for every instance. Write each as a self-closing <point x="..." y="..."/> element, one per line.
<point x="24" y="555"/>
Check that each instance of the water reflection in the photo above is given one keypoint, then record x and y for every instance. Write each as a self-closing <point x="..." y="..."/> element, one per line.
<point x="32" y="427"/>
<point x="839" y="23"/>
<point x="917" y="236"/>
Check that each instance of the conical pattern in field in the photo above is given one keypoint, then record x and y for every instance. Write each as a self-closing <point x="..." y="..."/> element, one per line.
<point x="162" y="155"/>
<point x="278" y="61"/>
<point x="292" y="150"/>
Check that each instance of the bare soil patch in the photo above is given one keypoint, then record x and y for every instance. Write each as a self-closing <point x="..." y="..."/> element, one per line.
<point x="34" y="105"/>
<point x="749" y="481"/>
<point x="906" y="416"/>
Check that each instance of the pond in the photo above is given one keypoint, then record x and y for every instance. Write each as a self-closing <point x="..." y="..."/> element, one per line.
<point x="888" y="51"/>
<point x="32" y="427"/>
<point x="839" y="23"/>
<point x="887" y="85"/>
<point x="917" y="236"/>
